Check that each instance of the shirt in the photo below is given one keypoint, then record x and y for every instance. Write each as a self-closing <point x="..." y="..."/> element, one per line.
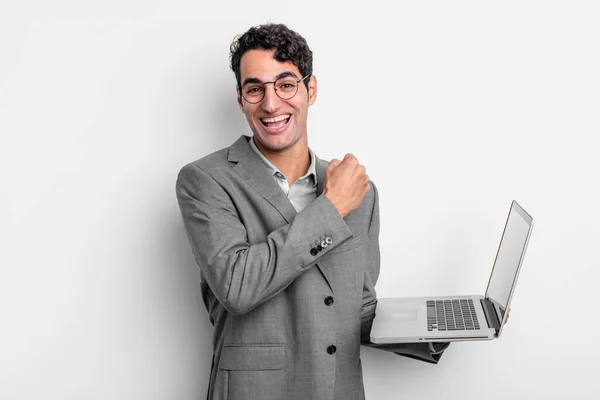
<point x="304" y="190"/>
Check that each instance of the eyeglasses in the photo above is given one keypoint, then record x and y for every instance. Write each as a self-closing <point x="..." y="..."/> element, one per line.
<point x="285" y="87"/>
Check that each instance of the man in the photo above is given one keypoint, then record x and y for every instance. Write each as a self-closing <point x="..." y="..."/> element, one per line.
<point x="287" y="243"/>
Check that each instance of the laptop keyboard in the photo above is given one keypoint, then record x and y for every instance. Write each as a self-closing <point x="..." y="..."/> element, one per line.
<point x="451" y="315"/>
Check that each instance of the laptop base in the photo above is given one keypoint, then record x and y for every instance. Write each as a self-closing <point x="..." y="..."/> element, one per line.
<point x="405" y="320"/>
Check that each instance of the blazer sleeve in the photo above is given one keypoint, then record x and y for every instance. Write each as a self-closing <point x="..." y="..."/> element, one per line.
<point x="428" y="352"/>
<point x="243" y="275"/>
<point x="369" y="298"/>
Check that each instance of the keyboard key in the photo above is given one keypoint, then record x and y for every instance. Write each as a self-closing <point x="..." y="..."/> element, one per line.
<point x="451" y="314"/>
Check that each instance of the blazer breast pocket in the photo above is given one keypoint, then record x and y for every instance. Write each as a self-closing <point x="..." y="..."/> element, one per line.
<point x="253" y="371"/>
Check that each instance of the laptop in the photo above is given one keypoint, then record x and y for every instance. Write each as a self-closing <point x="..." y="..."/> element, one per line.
<point x="460" y="318"/>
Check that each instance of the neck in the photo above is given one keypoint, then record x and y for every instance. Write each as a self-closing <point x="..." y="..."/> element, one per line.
<point x="293" y="162"/>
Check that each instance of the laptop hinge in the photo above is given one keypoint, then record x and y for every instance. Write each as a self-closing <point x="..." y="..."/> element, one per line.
<point x="490" y="314"/>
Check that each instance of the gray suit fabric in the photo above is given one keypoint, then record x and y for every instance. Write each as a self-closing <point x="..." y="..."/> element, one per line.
<point x="264" y="290"/>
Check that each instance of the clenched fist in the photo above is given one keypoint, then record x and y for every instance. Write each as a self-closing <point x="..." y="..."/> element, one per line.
<point x="346" y="184"/>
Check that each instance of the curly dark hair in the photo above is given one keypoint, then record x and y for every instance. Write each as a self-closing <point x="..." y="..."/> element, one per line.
<point x="288" y="46"/>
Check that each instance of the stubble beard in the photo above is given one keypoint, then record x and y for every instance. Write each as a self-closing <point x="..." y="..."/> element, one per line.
<point x="296" y="137"/>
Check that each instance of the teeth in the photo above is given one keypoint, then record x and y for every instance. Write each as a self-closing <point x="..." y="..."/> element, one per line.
<point x="276" y="119"/>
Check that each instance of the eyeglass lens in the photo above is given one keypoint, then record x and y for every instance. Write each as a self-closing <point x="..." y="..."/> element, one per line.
<point x="285" y="88"/>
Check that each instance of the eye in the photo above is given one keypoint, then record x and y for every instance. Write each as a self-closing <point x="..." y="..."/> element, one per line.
<point x="254" y="90"/>
<point x="287" y="86"/>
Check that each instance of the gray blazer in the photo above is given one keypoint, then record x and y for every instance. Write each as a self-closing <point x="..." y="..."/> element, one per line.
<point x="288" y="316"/>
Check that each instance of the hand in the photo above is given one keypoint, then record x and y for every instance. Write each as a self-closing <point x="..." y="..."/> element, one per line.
<point x="346" y="184"/>
<point x="438" y="347"/>
<point x="507" y="315"/>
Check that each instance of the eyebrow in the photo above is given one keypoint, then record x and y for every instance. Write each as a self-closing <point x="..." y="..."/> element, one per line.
<point x="281" y="75"/>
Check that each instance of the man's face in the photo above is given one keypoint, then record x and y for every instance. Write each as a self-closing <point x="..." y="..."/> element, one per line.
<point x="277" y="124"/>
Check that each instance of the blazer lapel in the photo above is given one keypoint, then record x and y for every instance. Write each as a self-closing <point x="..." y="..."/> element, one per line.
<point x="250" y="167"/>
<point x="321" y="167"/>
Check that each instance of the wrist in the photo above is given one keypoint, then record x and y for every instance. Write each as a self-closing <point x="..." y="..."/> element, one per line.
<point x="333" y="202"/>
<point x="437" y="347"/>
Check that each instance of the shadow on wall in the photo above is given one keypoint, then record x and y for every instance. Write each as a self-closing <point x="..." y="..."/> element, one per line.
<point x="215" y="125"/>
<point x="196" y="340"/>
<point x="217" y="120"/>
<point x="231" y="122"/>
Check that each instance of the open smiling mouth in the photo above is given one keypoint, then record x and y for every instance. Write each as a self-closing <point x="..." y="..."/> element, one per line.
<point x="276" y="122"/>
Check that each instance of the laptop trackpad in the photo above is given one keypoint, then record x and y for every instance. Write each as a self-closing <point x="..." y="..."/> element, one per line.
<point x="404" y="314"/>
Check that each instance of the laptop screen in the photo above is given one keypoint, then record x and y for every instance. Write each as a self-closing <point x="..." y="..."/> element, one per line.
<point x="509" y="257"/>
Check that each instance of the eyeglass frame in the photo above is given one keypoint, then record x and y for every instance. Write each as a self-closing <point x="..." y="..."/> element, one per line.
<point x="274" y="88"/>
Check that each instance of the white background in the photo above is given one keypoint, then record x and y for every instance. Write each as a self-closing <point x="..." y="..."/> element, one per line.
<point x="455" y="107"/>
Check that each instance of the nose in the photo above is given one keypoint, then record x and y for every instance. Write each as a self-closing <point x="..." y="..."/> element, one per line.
<point x="271" y="101"/>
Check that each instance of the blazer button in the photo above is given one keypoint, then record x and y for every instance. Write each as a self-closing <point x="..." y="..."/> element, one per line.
<point x="331" y="349"/>
<point x="319" y="247"/>
<point x="314" y="251"/>
<point x="328" y="240"/>
<point x="328" y="300"/>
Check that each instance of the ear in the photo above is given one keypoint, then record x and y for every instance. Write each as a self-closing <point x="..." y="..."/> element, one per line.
<point x="239" y="98"/>
<point x="312" y="90"/>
